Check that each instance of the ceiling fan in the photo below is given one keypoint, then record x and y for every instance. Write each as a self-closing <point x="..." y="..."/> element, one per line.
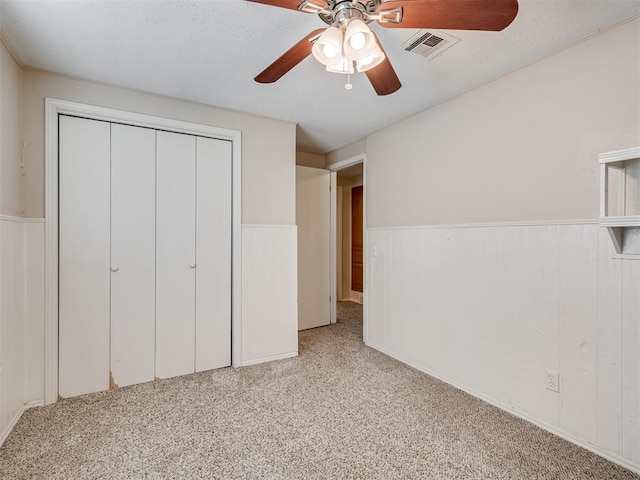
<point x="348" y="40"/>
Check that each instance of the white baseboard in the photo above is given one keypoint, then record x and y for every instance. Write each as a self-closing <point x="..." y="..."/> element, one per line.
<point x="14" y="420"/>
<point x="353" y="299"/>
<point x="530" y="223"/>
<point x="34" y="403"/>
<point x="12" y="424"/>
<point x="271" y="358"/>
<point x="612" y="457"/>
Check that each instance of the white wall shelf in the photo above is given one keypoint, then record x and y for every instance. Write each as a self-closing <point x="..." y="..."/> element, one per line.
<point x="620" y="199"/>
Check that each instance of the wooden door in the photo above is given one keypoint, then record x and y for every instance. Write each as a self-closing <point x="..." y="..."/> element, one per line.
<point x="356" y="238"/>
<point x="213" y="254"/>
<point x="133" y="237"/>
<point x="84" y="253"/>
<point x="314" y="247"/>
<point x="175" y="254"/>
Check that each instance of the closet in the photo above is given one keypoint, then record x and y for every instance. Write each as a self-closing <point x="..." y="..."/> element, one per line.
<point x="144" y="254"/>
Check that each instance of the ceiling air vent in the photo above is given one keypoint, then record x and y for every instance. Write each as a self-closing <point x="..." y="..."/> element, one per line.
<point x="429" y="43"/>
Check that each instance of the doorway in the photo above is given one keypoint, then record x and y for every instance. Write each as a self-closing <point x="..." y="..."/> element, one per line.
<point x="350" y="233"/>
<point x="331" y="245"/>
<point x="349" y="237"/>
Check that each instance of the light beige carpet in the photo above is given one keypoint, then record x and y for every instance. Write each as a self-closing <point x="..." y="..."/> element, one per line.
<point x="339" y="410"/>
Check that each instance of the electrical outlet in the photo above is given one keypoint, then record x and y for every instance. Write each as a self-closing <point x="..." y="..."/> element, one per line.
<point x="553" y="381"/>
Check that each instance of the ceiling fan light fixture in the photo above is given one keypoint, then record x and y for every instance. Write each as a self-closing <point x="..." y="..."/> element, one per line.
<point x="327" y="49"/>
<point x="344" y="66"/>
<point x="359" y="41"/>
<point x="371" y="61"/>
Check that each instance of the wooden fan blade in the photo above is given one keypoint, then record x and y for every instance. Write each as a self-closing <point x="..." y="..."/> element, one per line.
<point x="290" y="4"/>
<point x="491" y="15"/>
<point x="288" y="59"/>
<point x="383" y="77"/>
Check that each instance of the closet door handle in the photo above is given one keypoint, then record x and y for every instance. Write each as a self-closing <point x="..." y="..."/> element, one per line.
<point x="192" y="265"/>
<point x="115" y="268"/>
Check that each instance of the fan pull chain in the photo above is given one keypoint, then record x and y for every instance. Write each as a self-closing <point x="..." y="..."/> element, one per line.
<point x="348" y="86"/>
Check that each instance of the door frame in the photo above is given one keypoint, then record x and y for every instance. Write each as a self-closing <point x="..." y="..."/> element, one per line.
<point x="54" y="108"/>
<point x="334" y="169"/>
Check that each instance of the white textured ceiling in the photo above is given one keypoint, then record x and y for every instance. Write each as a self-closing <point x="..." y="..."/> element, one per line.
<point x="209" y="51"/>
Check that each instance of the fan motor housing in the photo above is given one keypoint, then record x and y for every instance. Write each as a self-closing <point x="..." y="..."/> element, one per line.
<point x="344" y="11"/>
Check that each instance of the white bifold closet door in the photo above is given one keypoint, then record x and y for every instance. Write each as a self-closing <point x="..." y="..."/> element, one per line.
<point x="84" y="277"/>
<point x="193" y="254"/>
<point x="175" y="254"/>
<point x="145" y="255"/>
<point x="133" y="232"/>
<point x="213" y="254"/>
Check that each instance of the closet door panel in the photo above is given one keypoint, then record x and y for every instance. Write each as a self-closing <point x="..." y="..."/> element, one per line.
<point x="175" y="254"/>
<point x="83" y="256"/>
<point x="213" y="254"/>
<point x="133" y="210"/>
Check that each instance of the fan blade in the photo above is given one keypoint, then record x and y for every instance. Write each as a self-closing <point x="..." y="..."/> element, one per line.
<point x="290" y="4"/>
<point x="383" y="78"/>
<point x="492" y="15"/>
<point x="288" y="59"/>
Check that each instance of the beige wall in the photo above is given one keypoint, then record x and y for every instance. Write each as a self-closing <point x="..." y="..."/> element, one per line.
<point x="522" y="148"/>
<point x="348" y="151"/>
<point x="344" y="231"/>
<point x="10" y="175"/>
<point x="268" y="146"/>
<point x="313" y="160"/>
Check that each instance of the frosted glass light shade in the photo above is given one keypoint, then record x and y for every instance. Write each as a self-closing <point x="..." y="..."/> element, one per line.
<point x="344" y="66"/>
<point x="359" y="41"/>
<point x="328" y="48"/>
<point x="373" y="60"/>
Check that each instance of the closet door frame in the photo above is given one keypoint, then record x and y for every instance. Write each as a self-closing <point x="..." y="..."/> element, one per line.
<point x="54" y="108"/>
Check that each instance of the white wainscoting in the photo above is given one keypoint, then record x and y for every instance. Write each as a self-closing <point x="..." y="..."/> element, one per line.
<point x="268" y="329"/>
<point x="21" y="318"/>
<point x="12" y="324"/>
<point x="269" y="293"/>
<point x="489" y="309"/>
<point x="34" y="267"/>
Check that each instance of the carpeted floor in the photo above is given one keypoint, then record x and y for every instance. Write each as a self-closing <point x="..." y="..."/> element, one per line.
<point x="339" y="410"/>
